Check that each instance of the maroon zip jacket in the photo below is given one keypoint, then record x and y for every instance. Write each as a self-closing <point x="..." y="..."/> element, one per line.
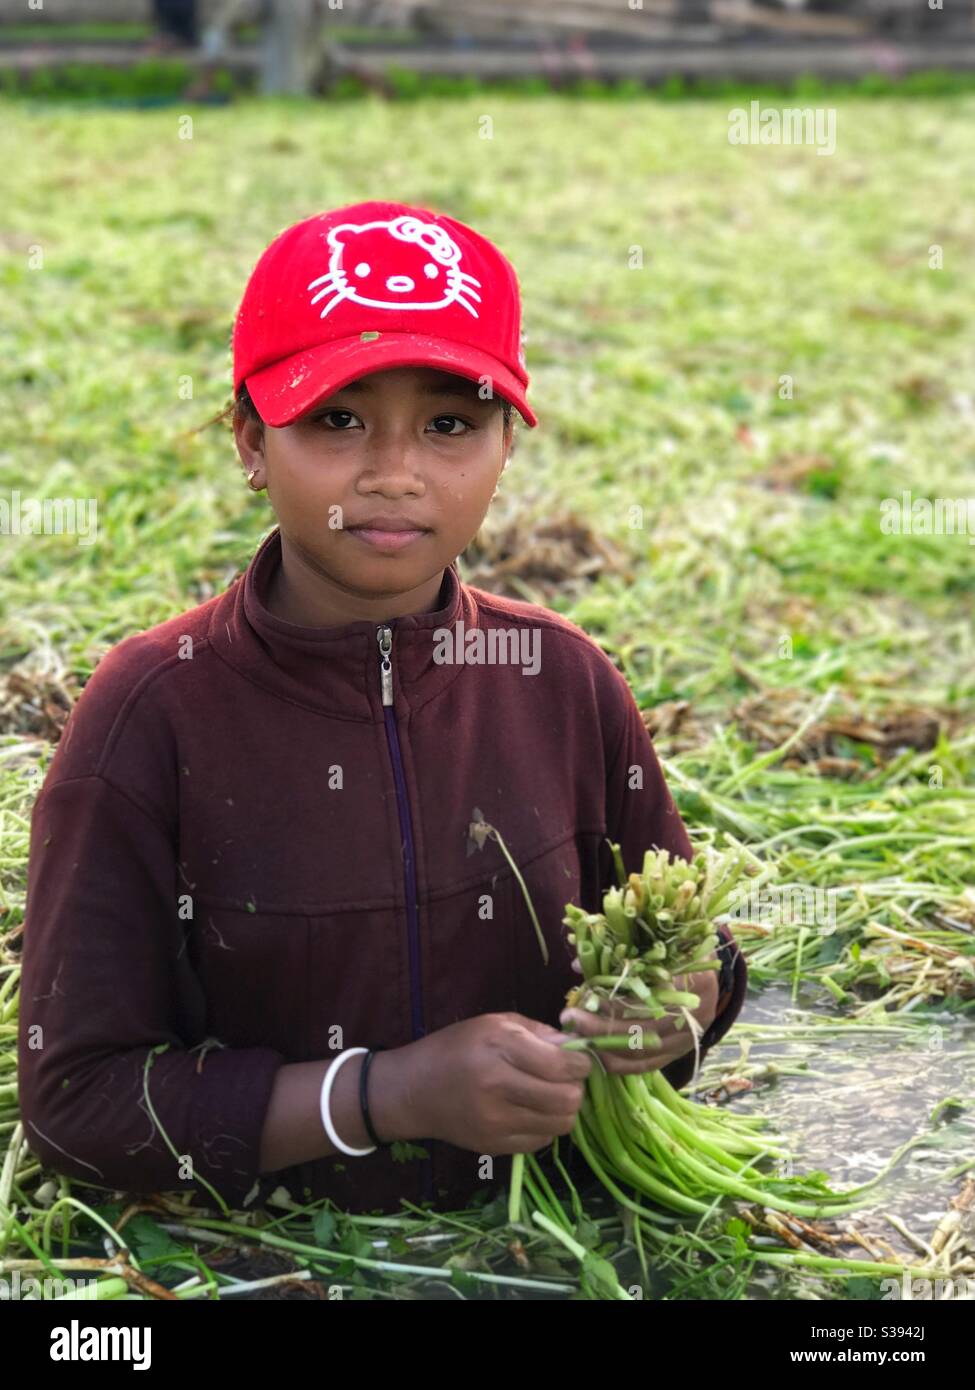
<point x="248" y="839"/>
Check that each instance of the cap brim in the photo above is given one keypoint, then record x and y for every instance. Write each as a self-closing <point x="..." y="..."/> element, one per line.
<point x="285" y="390"/>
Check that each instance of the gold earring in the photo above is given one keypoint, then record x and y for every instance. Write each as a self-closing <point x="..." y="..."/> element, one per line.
<point x="251" y="475"/>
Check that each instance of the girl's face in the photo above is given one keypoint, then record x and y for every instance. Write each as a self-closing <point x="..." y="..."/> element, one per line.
<point x="406" y="445"/>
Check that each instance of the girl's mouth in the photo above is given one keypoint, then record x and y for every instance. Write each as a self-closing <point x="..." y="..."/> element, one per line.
<point x="386" y="540"/>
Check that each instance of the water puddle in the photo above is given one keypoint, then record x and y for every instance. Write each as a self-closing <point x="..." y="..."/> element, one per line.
<point x="868" y="1089"/>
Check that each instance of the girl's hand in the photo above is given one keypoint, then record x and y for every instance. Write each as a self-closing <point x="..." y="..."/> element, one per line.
<point x="674" y="1041"/>
<point x="496" y="1084"/>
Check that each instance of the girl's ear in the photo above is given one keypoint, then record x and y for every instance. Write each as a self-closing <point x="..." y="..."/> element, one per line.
<point x="510" y="439"/>
<point x="249" y="438"/>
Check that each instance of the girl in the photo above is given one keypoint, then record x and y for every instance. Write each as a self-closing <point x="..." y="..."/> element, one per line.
<point x="265" y="943"/>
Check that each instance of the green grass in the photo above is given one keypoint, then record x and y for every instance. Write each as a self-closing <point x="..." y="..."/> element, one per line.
<point x="157" y="80"/>
<point x="657" y="389"/>
<point x="41" y="31"/>
<point x="116" y="32"/>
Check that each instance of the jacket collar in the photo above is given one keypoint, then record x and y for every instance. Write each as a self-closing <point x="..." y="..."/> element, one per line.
<point x="335" y="670"/>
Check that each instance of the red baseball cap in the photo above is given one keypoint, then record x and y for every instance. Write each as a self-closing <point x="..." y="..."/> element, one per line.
<point x="375" y="285"/>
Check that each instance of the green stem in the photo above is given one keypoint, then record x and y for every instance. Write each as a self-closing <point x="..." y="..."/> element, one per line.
<point x="639" y="1176"/>
<point x="618" y="862"/>
<point x="577" y="1210"/>
<point x="514" y="1193"/>
<point x="578" y="1250"/>
<point x="655" y="1112"/>
<point x="105" y="1288"/>
<point x="521" y="883"/>
<point x="643" y="1182"/>
<point x="608" y="1042"/>
<point x="537" y="1197"/>
<point x="198" y="1177"/>
<point x="645" y="1143"/>
<point x="554" y="1205"/>
<point x="641" y="1255"/>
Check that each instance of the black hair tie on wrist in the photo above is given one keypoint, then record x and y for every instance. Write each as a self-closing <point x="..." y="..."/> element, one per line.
<point x="363" y="1099"/>
<point x="726" y="952"/>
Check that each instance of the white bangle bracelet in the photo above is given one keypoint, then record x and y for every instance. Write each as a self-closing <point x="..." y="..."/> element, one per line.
<point x="326" y="1093"/>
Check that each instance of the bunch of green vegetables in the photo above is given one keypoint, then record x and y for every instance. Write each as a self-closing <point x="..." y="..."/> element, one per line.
<point x="654" y="927"/>
<point x="635" y="1130"/>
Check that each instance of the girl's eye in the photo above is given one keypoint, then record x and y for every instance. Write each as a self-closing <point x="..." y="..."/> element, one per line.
<point x="341" y="425"/>
<point x="456" y="419"/>
<point x="347" y="414"/>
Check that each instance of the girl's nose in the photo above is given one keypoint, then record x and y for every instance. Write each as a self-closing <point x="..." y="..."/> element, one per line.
<point x="393" y="460"/>
<point x="400" y="284"/>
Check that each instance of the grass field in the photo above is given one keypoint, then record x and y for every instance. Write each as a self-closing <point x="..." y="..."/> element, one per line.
<point x="785" y="358"/>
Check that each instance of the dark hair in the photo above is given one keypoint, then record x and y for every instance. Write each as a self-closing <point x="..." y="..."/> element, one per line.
<point x="243" y="408"/>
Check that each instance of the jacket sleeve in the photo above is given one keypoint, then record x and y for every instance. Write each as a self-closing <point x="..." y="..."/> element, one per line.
<point x="641" y="815"/>
<point x="105" y="980"/>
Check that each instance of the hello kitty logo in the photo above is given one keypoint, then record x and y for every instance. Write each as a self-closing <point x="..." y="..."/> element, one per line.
<point x="402" y="263"/>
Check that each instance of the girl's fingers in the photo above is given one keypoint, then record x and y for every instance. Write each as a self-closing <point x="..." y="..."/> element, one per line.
<point x="537" y="1102"/>
<point x="645" y="1061"/>
<point x="582" y="1021"/>
<point x="525" y="1143"/>
<point x="645" y="1054"/>
<point x="618" y="1066"/>
<point x="535" y="1050"/>
<point x="598" y="1025"/>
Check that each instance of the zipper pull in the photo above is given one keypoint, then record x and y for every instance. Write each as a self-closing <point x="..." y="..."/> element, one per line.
<point x="385" y="639"/>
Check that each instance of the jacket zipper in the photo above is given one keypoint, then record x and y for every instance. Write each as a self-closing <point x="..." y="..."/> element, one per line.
<point x="384" y="637"/>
